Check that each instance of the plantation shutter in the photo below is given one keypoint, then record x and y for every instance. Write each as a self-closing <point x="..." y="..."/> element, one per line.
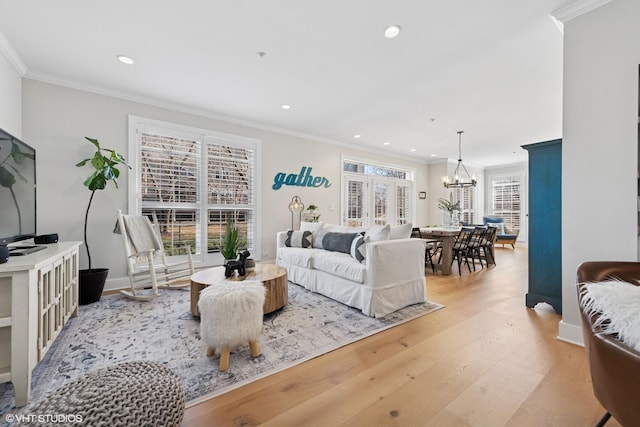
<point x="230" y="190"/>
<point x="506" y="200"/>
<point x="403" y="204"/>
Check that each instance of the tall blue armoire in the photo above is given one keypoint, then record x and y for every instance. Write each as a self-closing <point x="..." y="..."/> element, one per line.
<point x="545" y="224"/>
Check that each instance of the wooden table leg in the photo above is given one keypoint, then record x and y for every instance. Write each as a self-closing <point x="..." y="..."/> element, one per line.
<point x="195" y="295"/>
<point x="447" y="254"/>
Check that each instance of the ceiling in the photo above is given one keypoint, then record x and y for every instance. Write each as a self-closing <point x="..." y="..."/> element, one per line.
<point x="491" y="68"/>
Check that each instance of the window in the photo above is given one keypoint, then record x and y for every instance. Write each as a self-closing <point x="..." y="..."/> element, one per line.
<point x="467" y="197"/>
<point x="194" y="181"/>
<point x="376" y="194"/>
<point x="507" y="194"/>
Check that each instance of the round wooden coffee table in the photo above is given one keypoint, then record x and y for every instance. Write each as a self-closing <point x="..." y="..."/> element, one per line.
<point x="272" y="276"/>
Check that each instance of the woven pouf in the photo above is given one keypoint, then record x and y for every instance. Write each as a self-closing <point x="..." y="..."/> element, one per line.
<point x="129" y="394"/>
<point x="231" y="315"/>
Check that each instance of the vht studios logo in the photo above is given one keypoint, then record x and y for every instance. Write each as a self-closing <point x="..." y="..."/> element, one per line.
<point x="303" y="179"/>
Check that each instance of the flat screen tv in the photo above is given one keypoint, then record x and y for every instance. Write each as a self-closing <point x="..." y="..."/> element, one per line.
<point x="17" y="189"/>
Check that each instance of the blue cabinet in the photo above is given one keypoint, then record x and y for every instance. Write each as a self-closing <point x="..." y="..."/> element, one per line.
<point x="545" y="224"/>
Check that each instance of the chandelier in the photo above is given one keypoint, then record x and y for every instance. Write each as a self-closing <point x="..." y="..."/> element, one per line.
<point x="459" y="181"/>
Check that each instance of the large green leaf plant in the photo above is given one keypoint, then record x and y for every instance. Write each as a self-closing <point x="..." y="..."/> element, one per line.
<point x="104" y="163"/>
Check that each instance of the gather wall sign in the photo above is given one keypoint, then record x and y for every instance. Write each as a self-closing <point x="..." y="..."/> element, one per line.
<point x="302" y="179"/>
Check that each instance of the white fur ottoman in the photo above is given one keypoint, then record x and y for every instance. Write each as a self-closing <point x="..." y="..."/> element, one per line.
<point x="231" y="315"/>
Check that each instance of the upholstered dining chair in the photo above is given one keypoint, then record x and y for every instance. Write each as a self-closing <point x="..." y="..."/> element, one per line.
<point x="614" y="366"/>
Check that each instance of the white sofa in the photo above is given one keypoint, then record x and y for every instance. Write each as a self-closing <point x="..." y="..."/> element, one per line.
<point x="390" y="277"/>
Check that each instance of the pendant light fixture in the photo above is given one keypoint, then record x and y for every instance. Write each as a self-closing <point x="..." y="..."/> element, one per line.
<point x="458" y="180"/>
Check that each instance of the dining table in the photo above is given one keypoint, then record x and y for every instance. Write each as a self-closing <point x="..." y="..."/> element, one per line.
<point x="447" y="236"/>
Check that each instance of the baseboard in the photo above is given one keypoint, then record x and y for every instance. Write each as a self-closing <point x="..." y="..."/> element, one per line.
<point x="570" y="333"/>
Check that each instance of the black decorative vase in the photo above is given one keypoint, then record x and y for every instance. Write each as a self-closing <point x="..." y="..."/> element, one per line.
<point x="91" y="285"/>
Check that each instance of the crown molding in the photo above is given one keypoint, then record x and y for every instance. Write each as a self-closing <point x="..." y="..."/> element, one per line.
<point x="12" y="56"/>
<point x="126" y="96"/>
<point x="577" y="8"/>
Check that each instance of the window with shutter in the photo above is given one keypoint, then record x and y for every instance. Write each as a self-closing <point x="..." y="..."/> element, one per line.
<point x="376" y="194"/>
<point x="194" y="181"/>
<point x="507" y="199"/>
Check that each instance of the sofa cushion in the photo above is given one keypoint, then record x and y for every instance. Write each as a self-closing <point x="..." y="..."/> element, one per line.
<point x="401" y="231"/>
<point x="338" y="242"/>
<point x="377" y="233"/>
<point x="298" y="239"/>
<point x="339" y="264"/>
<point x="297" y="256"/>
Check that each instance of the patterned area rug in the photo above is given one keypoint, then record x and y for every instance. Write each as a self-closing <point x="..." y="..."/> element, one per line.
<point x="117" y="329"/>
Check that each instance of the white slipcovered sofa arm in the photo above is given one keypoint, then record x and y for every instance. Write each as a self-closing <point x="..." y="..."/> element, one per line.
<point x="394" y="261"/>
<point x="281" y="237"/>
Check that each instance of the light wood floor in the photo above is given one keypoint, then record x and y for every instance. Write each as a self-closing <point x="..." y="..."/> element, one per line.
<point x="484" y="360"/>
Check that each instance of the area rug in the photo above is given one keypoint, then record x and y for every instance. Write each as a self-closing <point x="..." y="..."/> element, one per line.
<point x="117" y="329"/>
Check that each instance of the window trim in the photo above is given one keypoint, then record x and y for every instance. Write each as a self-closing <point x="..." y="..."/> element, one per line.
<point x="136" y="123"/>
<point x="368" y="220"/>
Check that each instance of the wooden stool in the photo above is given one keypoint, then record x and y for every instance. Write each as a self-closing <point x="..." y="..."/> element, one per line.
<point x="231" y="315"/>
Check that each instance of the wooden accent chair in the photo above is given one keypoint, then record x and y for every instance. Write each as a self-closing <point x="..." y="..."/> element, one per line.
<point x="615" y="367"/>
<point x="147" y="263"/>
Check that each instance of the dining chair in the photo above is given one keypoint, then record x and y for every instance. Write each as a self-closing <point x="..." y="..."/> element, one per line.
<point x="461" y="247"/>
<point x="431" y="247"/>
<point x="487" y="246"/>
<point x="475" y="244"/>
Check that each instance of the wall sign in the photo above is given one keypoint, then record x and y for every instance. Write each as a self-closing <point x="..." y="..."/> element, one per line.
<point x="303" y="179"/>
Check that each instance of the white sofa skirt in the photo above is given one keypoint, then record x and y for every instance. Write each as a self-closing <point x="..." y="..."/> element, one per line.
<point x="374" y="302"/>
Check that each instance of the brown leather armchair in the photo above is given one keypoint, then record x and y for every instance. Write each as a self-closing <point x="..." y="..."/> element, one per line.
<point x="615" y="367"/>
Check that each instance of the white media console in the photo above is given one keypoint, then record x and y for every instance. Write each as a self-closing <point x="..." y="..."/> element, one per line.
<point x="38" y="294"/>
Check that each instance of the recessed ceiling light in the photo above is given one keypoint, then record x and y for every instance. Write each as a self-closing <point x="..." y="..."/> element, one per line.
<point x="125" y="59"/>
<point x="434" y="155"/>
<point x="412" y="150"/>
<point x="356" y="136"/>
<point x="392" y="31"/>
<point x="386" y="143"/>
<point x="286" y="106"/>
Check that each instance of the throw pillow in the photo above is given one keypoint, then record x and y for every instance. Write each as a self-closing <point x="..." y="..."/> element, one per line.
<point x="401" y="231"/>
<point x="338" y="242"/>
<point x="499" y="226"/>
<point x="317" y="232"/>
<point x="298" y="239"/>
<point x="313" y="227"/>
<point x="358" y="247"/>
<point x="377" y="233"/>
<point x="317" y="238"/>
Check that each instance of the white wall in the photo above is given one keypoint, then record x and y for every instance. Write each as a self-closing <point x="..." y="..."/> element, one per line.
<point x="56" y="119"/>
<point x="11" y="97"/>
<point x="600" y="146"/>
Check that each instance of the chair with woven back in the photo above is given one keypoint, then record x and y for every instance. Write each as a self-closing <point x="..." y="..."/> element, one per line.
<point x="147" y="263"/>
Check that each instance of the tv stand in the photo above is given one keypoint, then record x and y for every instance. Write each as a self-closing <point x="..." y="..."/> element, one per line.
<point x="38" y="295"/>
<point x="24" y="250"/>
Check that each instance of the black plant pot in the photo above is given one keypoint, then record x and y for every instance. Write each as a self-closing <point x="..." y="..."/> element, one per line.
<point x="91" y="285"/>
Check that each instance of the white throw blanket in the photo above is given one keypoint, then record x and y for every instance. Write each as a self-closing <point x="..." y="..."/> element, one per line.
<point x="141" y="233"/>
<point x="619" y="302"/>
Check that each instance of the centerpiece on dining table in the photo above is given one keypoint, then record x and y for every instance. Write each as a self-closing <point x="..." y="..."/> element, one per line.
<point x="450" y="212"/>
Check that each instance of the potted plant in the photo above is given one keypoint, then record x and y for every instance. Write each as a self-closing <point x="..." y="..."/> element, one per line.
<point x="232" y="242"/>
<point x="313" y="213"/>
<point x="450" y="209"/>
<point x="104" y="164"/>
